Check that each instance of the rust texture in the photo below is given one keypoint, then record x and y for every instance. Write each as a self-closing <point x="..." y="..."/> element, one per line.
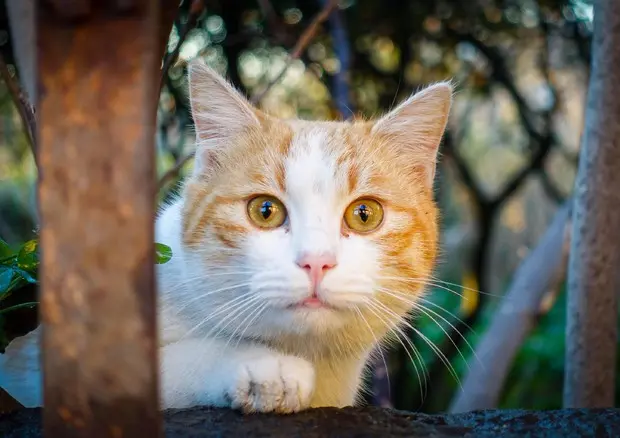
<point x="593" y="280"/>
<point x="71" y="9"/>
<point x="97" y="90"/>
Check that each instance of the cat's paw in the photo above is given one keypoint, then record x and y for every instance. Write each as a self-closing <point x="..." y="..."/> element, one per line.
<point x="282" y="384"/>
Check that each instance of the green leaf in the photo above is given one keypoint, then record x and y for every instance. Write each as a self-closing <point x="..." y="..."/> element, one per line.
<point x="28" y="258"/>
<point x="163" y="253"/>
<point x="26" y="276"/>
<point x="6" y="275"/>
<point x="18" y="306"/>
<point x="5" y="250"/>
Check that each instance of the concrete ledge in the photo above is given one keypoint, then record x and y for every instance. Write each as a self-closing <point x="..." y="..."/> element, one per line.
<point x="361" y="423"/>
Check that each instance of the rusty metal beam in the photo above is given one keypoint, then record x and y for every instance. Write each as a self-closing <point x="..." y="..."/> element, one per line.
<point x="71" y="9"/>
<point x="98" y="79"/>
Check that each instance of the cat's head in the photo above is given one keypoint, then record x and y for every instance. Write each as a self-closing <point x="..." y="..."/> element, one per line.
<point x="309" y="227"/>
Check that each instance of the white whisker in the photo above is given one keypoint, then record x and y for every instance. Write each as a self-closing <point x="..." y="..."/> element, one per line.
<point x="437" y="280"/>
<point x="428" y="312"/>
<point x="256" y="314"/>
<point x="226" y="306"/>
<point x="211" y="292"/>
<point x="424" y="283"/>
<point x="433" y="347"/>
<point x="238" y="311"/>
<point x="378" y="344"/>
<point x="205" y="277"/>
<point x="396" y="330"/>
<point x="437" y="306"/>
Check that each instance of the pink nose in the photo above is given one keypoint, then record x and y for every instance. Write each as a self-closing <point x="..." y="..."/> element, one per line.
<point x="316" y="265"/>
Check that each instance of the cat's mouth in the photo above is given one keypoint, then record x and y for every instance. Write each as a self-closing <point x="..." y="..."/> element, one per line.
<point x="311" y="303"/>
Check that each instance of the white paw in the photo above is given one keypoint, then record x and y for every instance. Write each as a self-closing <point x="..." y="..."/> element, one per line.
<point x="282" y="384"/>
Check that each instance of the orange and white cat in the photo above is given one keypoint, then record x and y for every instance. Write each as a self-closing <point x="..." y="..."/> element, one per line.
<point x="298" y="246"/>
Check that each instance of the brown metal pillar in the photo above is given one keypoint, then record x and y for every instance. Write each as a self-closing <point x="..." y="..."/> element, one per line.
<point x="98" y="74"/>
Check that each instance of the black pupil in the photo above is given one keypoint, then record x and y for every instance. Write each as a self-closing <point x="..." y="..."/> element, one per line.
<point x="267" y="209"/>
<point x="363" y="212"/>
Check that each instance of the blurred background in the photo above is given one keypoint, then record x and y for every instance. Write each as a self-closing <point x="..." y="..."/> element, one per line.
<point x="507" y="165"/>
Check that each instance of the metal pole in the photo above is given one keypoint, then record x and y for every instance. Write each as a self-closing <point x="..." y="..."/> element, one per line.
<point x="98" y="74"/>
<point x="593" y="280"/>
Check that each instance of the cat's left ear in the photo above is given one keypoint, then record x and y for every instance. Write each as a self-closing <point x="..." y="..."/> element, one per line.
<point x="219" y="111"/>
<point x="417" y="125"/>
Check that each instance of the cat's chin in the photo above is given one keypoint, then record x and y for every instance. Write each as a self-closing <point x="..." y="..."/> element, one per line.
<point x="302" y="319"/>
<point x="311" y="304"/>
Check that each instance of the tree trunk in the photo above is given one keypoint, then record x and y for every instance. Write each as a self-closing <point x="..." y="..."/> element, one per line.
<point x="592" y="310"/>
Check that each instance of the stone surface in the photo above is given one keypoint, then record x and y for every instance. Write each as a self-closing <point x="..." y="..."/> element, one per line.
<point x="366" y="422"/>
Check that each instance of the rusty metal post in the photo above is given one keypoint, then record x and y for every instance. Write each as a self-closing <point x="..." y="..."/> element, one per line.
<point x="593" y="281"/>
<point x="98" y="75"/>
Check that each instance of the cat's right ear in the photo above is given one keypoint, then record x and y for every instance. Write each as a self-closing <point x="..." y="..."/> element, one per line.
<point x="219" y="113"/>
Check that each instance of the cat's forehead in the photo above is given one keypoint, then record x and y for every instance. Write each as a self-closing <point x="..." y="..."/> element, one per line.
<point x="335" y="162"/>
<point x="320" y="161"/>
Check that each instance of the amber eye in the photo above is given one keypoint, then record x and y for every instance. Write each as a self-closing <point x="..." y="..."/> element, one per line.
<point x="266" y="211"/>
<point x="364" y="215"/>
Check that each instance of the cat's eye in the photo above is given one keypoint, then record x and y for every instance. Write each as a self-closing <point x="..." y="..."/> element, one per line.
<point x="266" y="211"/>
<point x="364" y="215"/>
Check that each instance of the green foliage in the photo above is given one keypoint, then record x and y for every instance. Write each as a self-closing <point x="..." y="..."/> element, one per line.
<point x="19" y="269"/>
<point x="163" y="253"/>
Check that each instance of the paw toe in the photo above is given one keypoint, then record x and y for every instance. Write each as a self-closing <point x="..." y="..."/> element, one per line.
<point x="273" y="384"/>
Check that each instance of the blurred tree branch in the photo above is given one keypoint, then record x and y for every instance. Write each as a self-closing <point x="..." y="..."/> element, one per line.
<point x="542" y="270"/>
<point x="501" y="74"/>
<point x="174" y="172"/>
<point x="196" y="9"/>
<point x="169" y="12"/>
<point x="23" y="38"/>
<point x="340" y="81"/>
<point x="488" y="208"/>
<point x="552" y="191"/>
<point x="194" y="12"/>
<point x="24" y="108"/>
<point x="302" y="43"/>
<point x="278" y="28"/>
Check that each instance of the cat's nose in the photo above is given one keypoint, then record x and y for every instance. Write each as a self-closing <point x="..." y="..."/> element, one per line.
<point x="316" y="265"/>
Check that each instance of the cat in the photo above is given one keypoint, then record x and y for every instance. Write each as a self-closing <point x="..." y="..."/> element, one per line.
<point x="298" y="248"/>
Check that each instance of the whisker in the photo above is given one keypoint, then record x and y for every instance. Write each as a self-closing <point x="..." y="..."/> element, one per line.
<point x="440" y="284"/>
<point x="435" y="279"/>
<point x="428" y="312"/>
<point x="256" y="313"/>
<point x="205" y="277"/>
<point x="239" y="311"/>
<point x="429" y="302"/>
<point x="433" y="347"/>
<point x="396" y="330"/>
<point x="226" y="306"/>
<point x="233" y="314"/>
<point x="211" y="292"/>
<point x="372" y="333"/>
<point x="424" y="283"/>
